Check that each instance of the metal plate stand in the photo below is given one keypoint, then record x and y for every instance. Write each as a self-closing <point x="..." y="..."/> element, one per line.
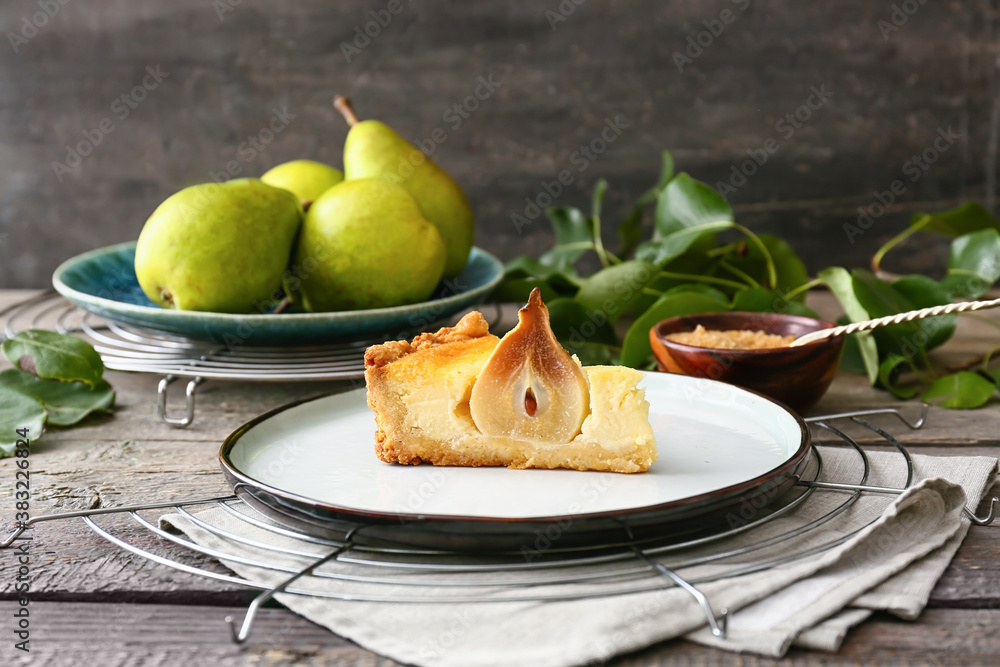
<point x="134" y="349"/>
<point x="447" y="577"/>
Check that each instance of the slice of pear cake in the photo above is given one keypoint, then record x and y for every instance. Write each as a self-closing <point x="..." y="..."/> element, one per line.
<point x="463" y="397"/>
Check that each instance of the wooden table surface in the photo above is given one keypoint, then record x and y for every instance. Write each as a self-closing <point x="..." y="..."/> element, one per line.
<point x="93" y="603"/>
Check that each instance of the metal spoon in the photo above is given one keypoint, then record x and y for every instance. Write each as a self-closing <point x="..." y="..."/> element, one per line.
<point x="894" y="319"/>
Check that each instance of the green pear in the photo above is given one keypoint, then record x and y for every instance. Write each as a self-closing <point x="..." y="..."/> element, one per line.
<point x="374" y="149"/>
<point x="306" y="179"/>
<point x="219" y="247"/>
<point x="365" y="244"/>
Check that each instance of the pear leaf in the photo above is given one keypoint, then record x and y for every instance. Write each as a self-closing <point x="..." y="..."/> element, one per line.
<point x="958" y="221"/>
<point x="923" y="292"/>
<point x="974" y="264"/>
<point x="574" y="236"/>
<point x="761" y="300"/>
<point x="597" y="203"/>
<point x="630" y="231"/>
<point x="686" y="202"/>
<point x="636" y="348"/>
<point x="55" y="356"/>
<point x="574" y="325"/>
<point x="960" y="391"/>
<point x="841" y="284"/>
<point x="888" y="374"/>
<point x="790" y="269"/>
<point x="18" y="411"/>
<point x="596" y="354"/>
<point x="66" y="402"/>
<point x="517" y="290"/>
<point x="666" y="174"/>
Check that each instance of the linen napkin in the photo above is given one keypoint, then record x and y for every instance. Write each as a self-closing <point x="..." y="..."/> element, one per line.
<point x="890" y="564"/>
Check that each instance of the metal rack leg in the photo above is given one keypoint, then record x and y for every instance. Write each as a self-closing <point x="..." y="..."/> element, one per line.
<point x="241" y="635"/>
<point x="161" y="401"/>
<point x="719" y="626"/>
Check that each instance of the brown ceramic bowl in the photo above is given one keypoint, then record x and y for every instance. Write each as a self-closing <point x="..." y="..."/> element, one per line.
<point x="795" y="376"/>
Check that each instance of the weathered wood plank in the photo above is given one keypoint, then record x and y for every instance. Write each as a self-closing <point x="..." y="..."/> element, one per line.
<point x="138" y="635"/>
<point x="559" y="81"/>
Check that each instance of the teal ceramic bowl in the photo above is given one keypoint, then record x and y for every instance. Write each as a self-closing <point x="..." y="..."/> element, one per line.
<point x="103" y="282"/>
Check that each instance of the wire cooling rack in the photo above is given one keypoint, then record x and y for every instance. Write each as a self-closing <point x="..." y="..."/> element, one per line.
<point x="136" y="349"/>
<point x="406" y="575"/>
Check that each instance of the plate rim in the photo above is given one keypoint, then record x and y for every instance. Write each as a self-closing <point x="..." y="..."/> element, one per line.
<point x="79" y="297"/>
<point x="734" y="490"/>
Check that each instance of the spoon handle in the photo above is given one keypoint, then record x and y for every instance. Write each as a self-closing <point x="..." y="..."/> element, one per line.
<point x="895" y="319"/>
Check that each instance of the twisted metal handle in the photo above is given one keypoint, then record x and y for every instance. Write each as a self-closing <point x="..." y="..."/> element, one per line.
<point x="895" y="319"/>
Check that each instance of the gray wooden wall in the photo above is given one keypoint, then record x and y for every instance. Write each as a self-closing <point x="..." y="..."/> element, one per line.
<point x="226" y="65"/>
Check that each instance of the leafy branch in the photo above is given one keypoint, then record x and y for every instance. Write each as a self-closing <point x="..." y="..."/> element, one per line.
<point x="683" y="268"/>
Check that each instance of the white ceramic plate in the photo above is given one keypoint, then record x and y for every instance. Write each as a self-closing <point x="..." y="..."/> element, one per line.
<point x="711" y="437"/>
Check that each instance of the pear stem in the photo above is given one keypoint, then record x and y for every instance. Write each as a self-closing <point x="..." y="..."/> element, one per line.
<point x="343" y="105"/>
<point x="282" y="305"/>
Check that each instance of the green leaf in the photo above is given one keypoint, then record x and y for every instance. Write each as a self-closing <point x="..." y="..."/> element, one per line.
<point x="700" y="288"/>
<point x="974" y="264"/>
<point x="841" y="284"/>
<point x="876" y="296"/>
<point x="636" y="348"/>
<point x="596" y="354"/>
<point x="525" y="273"/>
<point x="924" y="292"/>
<point x="597" y="200"/>
<point x="630" y="232"/>
<point x="66" y="402"/>
<point x="526" y="267"/>
<point x="851" y="361"/>
<point x="574" y="325"/>
<point x="882" y="299"/>
<point x="666" y="249"/>
<point x="790" y="269"/>
<point x="686" y="203"/>
<point x="695" y="261"/>
<point x="995" y="374"/>
<point x="960" y="391"/>
<point x="18" y="411"/>
<point x="761" y="300"/>
<point x="687" y="210"/>
<point x="56" y="356"/>
<point x="612" y="290"/>
<point x="666" y="173"/>
<point x="888" y="374"/>
<point x="574" y="237"/>
<point x="961" y="220"/>
<point x="516" y="290"/>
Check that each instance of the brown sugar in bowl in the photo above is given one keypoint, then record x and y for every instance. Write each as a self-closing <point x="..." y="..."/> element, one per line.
<point x="795" y="376"/>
